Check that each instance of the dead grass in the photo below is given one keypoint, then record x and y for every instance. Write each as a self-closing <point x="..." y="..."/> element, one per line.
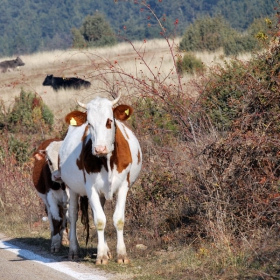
<point x="89" y="64"/>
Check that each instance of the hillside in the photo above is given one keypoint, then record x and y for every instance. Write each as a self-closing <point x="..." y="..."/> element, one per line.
<point x="88" y="65"/>
<point x="42" y="25"/>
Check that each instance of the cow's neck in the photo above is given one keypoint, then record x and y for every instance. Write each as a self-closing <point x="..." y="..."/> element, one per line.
<point x="121" y="156"/>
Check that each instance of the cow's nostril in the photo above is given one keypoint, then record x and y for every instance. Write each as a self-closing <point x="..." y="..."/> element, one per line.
<point x="100" y="149"/>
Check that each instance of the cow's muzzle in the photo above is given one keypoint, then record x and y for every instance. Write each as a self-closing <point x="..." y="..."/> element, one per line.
<point x="101" y="150"/>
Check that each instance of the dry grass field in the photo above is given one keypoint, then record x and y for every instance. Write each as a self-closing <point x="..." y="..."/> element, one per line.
<point x="90" y="65"/>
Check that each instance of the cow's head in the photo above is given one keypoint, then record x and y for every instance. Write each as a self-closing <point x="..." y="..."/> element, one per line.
<point x="19" y="62"/>
<point x="48" y="80"/>
<point x="52" y="157"/>
<point x="101" y="119"/>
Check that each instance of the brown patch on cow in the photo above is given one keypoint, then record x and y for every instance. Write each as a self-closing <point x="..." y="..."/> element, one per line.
<point x="122" y="112"/>
<point x="79" y="117"/>
<point x="41" y="171"/>
<point x="139" y="157"/>
<point x="109" y="124"/>
<point x="89" y="162"/>
<point x="121" y="155"/>
<point x="58" y="161"/>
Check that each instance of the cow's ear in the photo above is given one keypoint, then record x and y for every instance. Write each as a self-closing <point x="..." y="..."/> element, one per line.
<point x="122" y="112"/>
<point x="40" y="155"/>
<point x="76" y="118"/>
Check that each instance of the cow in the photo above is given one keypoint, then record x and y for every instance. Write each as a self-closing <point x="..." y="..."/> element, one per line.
<point x="11" y="64"/>
<point x="54" y="193"/>
<point x="100" y="156"/>
<point x="58" y="83"/>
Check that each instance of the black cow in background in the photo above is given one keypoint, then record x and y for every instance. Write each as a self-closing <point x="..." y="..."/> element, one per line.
<point x="57" y="83"/>
<point x="10" y="64"/>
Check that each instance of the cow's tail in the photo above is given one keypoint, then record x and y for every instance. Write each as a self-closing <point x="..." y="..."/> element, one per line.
<point x="84" y="217"/>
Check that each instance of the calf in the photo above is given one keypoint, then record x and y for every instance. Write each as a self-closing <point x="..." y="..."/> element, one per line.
<point x="65" y="83"/>
<point x="10" y="64"/>
<point x="53" y="193"/>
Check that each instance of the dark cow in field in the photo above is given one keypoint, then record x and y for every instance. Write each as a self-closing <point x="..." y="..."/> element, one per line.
<point x="65" y="83"/>
<point x="55" y="195"/>
<point x="10" y="64"/>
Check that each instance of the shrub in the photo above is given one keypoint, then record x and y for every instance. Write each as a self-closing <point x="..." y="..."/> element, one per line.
<point x="19" y="148"/>
<point x="244" y="95"/>
<point x="29" y="114"/>
<point x="206" y="34"/>
<point x="190" y="64"/>
<point x="95" y="32"/>
<point x="211" y="34"/>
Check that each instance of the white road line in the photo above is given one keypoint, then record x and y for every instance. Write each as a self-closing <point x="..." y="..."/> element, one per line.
<point x="49" y="262"/>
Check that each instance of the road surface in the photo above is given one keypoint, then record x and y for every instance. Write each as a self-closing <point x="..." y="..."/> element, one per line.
<point x="21" y="264"/>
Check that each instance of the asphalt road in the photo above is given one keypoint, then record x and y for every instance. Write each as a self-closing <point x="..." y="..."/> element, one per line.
<point x="21" y="264"/>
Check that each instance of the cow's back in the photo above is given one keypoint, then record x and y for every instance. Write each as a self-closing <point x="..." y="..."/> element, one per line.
<point x="41" y="172"/>
<point x="69" y="153"/>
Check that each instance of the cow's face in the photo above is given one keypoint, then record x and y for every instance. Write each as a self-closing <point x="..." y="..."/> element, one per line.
<point x="101" y="124"/>
<point x="53" y="160"/>
<point x="101" y="119"/>
<point x="48" y="80"/>
<point x="19" y="62"/>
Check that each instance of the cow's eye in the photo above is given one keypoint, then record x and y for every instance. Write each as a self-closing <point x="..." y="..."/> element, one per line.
<point x="108" y="123"/>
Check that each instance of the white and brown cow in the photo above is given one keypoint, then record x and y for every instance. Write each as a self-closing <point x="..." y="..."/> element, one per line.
<point x="100" y="156"/>
<point x="54" y="193"/>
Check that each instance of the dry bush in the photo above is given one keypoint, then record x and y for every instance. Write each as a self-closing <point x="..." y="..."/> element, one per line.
<point x="17" y="192"/>
<point x="200" y="180"/>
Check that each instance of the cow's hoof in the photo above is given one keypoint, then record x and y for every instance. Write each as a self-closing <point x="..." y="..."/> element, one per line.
<point x="123" y="260"/>
<point x="73" y="257"/>
<point x="101" y="260"/>
<point x="56" y="243"/>
<point x="55" y="249"/>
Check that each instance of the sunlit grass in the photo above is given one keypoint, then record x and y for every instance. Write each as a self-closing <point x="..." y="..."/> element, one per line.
<point x="87" y="64"/>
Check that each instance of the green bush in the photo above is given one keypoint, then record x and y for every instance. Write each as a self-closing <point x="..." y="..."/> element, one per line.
<point x="19" y="148"/>
<point x="206" y="34"/>
<point x="29" y="114"/>
<point x="211" y="34"/>
<point x="190" y="64"/>
<point x="245" y="94"/>
<point x="95" y="32"/>
<point x="157" y="121"/>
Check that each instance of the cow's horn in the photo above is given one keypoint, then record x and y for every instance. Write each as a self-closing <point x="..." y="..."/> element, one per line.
<point x="82" y="104"/>
<point x="115" y="101"/>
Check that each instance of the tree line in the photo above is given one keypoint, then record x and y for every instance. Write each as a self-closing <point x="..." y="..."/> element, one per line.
<point x="42" y="25"/>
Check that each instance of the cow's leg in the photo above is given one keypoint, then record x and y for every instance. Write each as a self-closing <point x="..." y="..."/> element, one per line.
<point x="73" y="216"/>
<point x="64" y="229"/>
<point x="45" y="200"/>
<point x="103" y="253"/>
<point x="56" y="238"/>
<point x="119" y="223"/>
<point x="56" y="217"/>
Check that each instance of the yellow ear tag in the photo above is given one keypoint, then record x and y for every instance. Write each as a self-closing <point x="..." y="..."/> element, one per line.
<point x="127" y="111"/>
<point x="73" y="121"/>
